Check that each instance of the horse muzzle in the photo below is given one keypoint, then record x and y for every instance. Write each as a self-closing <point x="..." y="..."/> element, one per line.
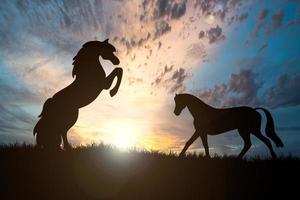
<point x="115" y="60"/>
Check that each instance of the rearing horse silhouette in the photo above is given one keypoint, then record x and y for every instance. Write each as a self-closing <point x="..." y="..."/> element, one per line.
<point x="60" y="112"/>
<point x="213" y="121"/>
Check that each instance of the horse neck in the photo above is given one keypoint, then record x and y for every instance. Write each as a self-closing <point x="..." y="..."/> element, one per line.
<point x="92" y="68"/>
<point x="195" y="105"/>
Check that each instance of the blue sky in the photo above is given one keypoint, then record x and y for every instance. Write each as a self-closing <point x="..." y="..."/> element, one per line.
<point x="227" y="52"/>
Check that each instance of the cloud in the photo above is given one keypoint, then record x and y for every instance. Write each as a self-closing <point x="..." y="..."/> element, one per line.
<point x="201" y="34"/>
<point x="293" y="22"/>
<point x="215" y="95"/>
<point x="242" y="17"/>
<point x="264" y="45"/>
<point x="158" y="16"/>
<point x="133" y="80"/>
<point x="173" y="10"/>
<point x="285" y="92"/>
<point x="37" y="65"/>
<point x="160" y="77"/>
<point x="214" y="34"/>
<point x="196" y="51"/>
<point x="170" y="9"/>
<point x="218" y="8"/>
<point x="178" y="10"/>
<point x="70" y="18"/>
<point x="15" y="122"/>
<point x="250" y="63"/>
<point x="14" y="119"/>
<point x="257" y="27"/>
<point x="263" y="14"/>
<point x="259" y="24"/>
<point x="277" y="19"/>
<point x="245" y="86"/>
<point x="159" y="45"/>
<point x="129" y="44"/>
<point x="174" y="82"/>
<point x="161" y="27"/>
<point x="241" y="89"/>
<point x="178" y="78"/>
<point x="13" y="91"/>
<point x="162" y="8"/>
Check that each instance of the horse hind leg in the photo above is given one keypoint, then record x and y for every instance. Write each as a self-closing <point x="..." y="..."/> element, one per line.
<point x="52" y="140"/>
<point x="55" y="142"/>
<point x="40" y="140"/>
<point x="205" y="144"/>
<point x="267" y="142"/>
<point x="48" y="142"/>
<point x="67" y="145"/>
<point x="70" y="120"/>
<point x="247" y="142"/>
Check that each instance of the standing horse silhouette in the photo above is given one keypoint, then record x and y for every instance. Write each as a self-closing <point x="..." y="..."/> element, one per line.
<point x="60" y="112"/>
<point x="213" y="121"/>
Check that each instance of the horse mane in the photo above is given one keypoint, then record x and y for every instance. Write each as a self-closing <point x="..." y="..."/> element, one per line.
<point x="198" y="101"/>
<point x="82" y="58"/>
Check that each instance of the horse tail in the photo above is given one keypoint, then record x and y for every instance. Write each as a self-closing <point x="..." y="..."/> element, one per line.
<point x="46" y="107"/>
<point x="270" y="130"/>
<point x="35" y="129"/>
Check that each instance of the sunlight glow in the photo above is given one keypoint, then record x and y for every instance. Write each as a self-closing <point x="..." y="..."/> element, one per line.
<point x="123" y="136"/>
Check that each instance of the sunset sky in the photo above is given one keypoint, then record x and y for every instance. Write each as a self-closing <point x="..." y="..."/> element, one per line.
<point x="226" y="52"/>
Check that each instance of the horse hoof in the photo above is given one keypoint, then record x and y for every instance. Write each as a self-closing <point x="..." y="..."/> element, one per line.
<point x="113" y="92"/>
<point x="67" y="147"/>
<point x="181" y="155"/>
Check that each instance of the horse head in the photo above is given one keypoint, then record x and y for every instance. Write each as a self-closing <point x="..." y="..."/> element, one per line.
<point x="179" y="104"/>
<point x="90" y="53"/>
<point x="103" y="49"/>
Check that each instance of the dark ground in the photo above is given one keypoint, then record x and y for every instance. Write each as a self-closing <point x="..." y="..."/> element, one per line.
<point x="100" y="172"/>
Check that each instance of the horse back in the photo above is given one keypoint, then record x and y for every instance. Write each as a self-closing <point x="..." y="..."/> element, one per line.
<point x="226" y="119"/>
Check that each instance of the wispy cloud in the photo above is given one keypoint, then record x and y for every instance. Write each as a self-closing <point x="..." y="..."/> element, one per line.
<point x="283" y="92"/>
<point x="242" y="85"/>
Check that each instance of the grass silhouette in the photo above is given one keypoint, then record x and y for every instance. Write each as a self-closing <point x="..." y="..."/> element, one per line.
<point x="102" y="172"/>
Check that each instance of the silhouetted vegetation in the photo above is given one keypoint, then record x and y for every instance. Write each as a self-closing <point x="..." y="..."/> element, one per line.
<point x="102" y="172"/>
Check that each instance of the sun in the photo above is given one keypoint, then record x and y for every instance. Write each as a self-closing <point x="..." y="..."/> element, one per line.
<point x="123" y="139"/>
<point x="123" y="136"/>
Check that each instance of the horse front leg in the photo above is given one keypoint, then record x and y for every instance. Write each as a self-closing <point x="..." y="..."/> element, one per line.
<point x="117" y="72"/>
<point x="188" y="143"/>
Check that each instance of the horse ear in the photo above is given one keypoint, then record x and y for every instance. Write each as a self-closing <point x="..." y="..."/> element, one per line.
<point x="175" y="94"/>
<point x="106" y="40"/>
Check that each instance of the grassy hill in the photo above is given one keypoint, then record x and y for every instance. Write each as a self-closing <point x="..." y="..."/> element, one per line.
<point x="101" y="172"/>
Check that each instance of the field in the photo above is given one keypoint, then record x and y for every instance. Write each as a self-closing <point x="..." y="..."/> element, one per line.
<point x="102" y="172"/>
